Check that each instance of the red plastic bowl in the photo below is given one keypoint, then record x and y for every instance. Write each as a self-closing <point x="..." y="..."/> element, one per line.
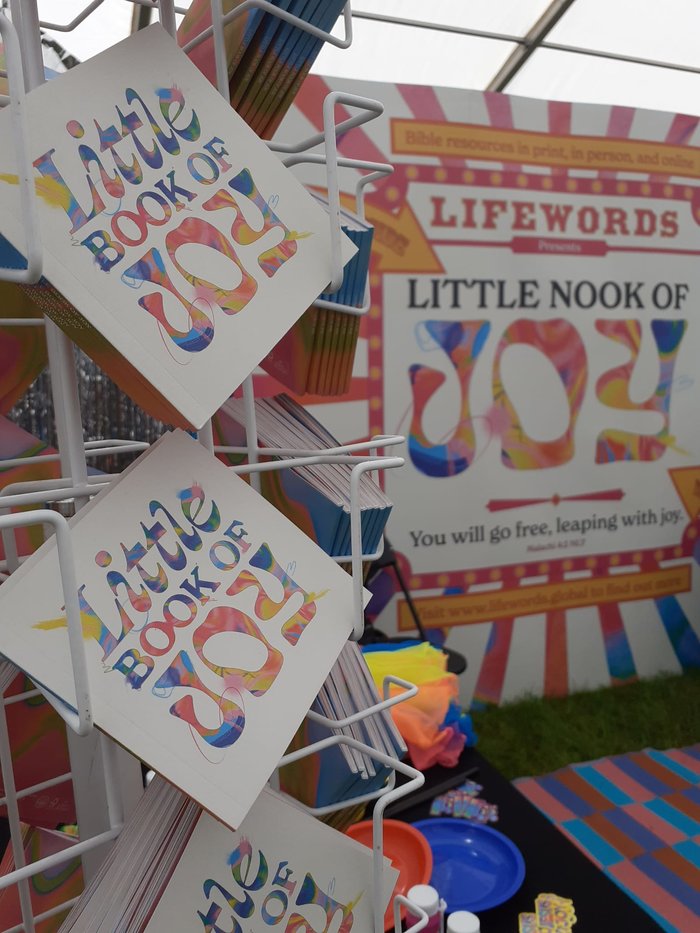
<point x="409" y="852"/>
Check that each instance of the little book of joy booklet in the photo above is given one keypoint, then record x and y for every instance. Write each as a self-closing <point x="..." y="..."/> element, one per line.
<point x="210" y="622"/>
<point x="177" y="248"/>
<point x="176" y="870"/>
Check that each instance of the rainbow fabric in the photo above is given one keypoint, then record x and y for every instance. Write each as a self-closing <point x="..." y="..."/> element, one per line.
<point x="430" y="723"/>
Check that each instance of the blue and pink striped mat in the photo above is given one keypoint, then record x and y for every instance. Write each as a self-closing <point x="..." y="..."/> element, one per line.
<point x="637" y="817"/>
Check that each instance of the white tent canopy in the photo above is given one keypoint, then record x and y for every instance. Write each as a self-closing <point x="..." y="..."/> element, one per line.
<point x="535" y="48"/>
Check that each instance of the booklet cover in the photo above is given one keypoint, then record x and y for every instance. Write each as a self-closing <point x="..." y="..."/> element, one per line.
<point x="176" y="869"/>
<point x="177" y="248"/>
<point x="282" y="867"/>
<point x="210" y="622"/>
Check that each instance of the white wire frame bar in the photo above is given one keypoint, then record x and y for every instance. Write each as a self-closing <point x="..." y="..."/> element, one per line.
<point x="22" y="321"/>
<point x="409" y="690"/>
<point x="382" y="799"/>
<point x="16" y="102"/>
<point x="369" y="110"/>
<point x="79" y="720"/>
<point x="521" y="40"/>
<point x="224" y="20"/>
<point x="79" y="487"/>
<point x="41" y="492"/>
<point x="376" y="171"/>
<point x="93" y="449"/>
<point x="530" y="42"/>
<point x="31" y="493"/>
<point x="82" y="724"/>
<point x="296" y="152"/>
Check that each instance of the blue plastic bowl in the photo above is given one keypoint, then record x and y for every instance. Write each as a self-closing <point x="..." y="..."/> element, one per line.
<point x="474" y="867"/>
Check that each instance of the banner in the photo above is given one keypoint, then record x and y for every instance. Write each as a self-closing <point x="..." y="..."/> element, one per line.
<point x="535" y="333"/>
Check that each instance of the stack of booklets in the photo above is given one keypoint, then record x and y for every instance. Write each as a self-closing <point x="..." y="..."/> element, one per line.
<point x="315" y="497"/>
<point x="317" y="354"/>
<point x="267" y="58"/>
<point x="210" y="622"/>
<point x="8" y="673"/>
<point x="354" y="286"/>
<point x="176" y="869"/>
<point x="161" y="251"/>
<point x="349" y="689"/>
<point x="340" y="773"/>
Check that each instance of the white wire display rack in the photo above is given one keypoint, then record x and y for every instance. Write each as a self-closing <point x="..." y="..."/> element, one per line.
<point x="106" y="780"/>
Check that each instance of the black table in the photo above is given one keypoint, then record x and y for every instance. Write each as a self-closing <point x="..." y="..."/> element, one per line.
<point x="552" y="863"/>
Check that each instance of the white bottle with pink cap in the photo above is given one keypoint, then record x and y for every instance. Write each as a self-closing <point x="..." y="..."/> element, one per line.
<point x="428" y="899"/>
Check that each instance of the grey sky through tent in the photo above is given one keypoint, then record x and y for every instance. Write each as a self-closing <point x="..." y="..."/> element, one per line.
<point x="441" y="52"/>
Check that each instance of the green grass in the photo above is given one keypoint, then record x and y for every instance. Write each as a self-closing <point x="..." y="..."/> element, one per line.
<point x="535" y="736"/>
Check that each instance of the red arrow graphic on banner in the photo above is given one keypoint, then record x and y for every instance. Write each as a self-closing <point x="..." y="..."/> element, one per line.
<point x="605" y="495"/>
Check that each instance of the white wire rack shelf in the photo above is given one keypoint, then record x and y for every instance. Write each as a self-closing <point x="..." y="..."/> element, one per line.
<point x="81" y="721"/>
<point x="21" y="79"/>
<point x="24" y="70"/>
